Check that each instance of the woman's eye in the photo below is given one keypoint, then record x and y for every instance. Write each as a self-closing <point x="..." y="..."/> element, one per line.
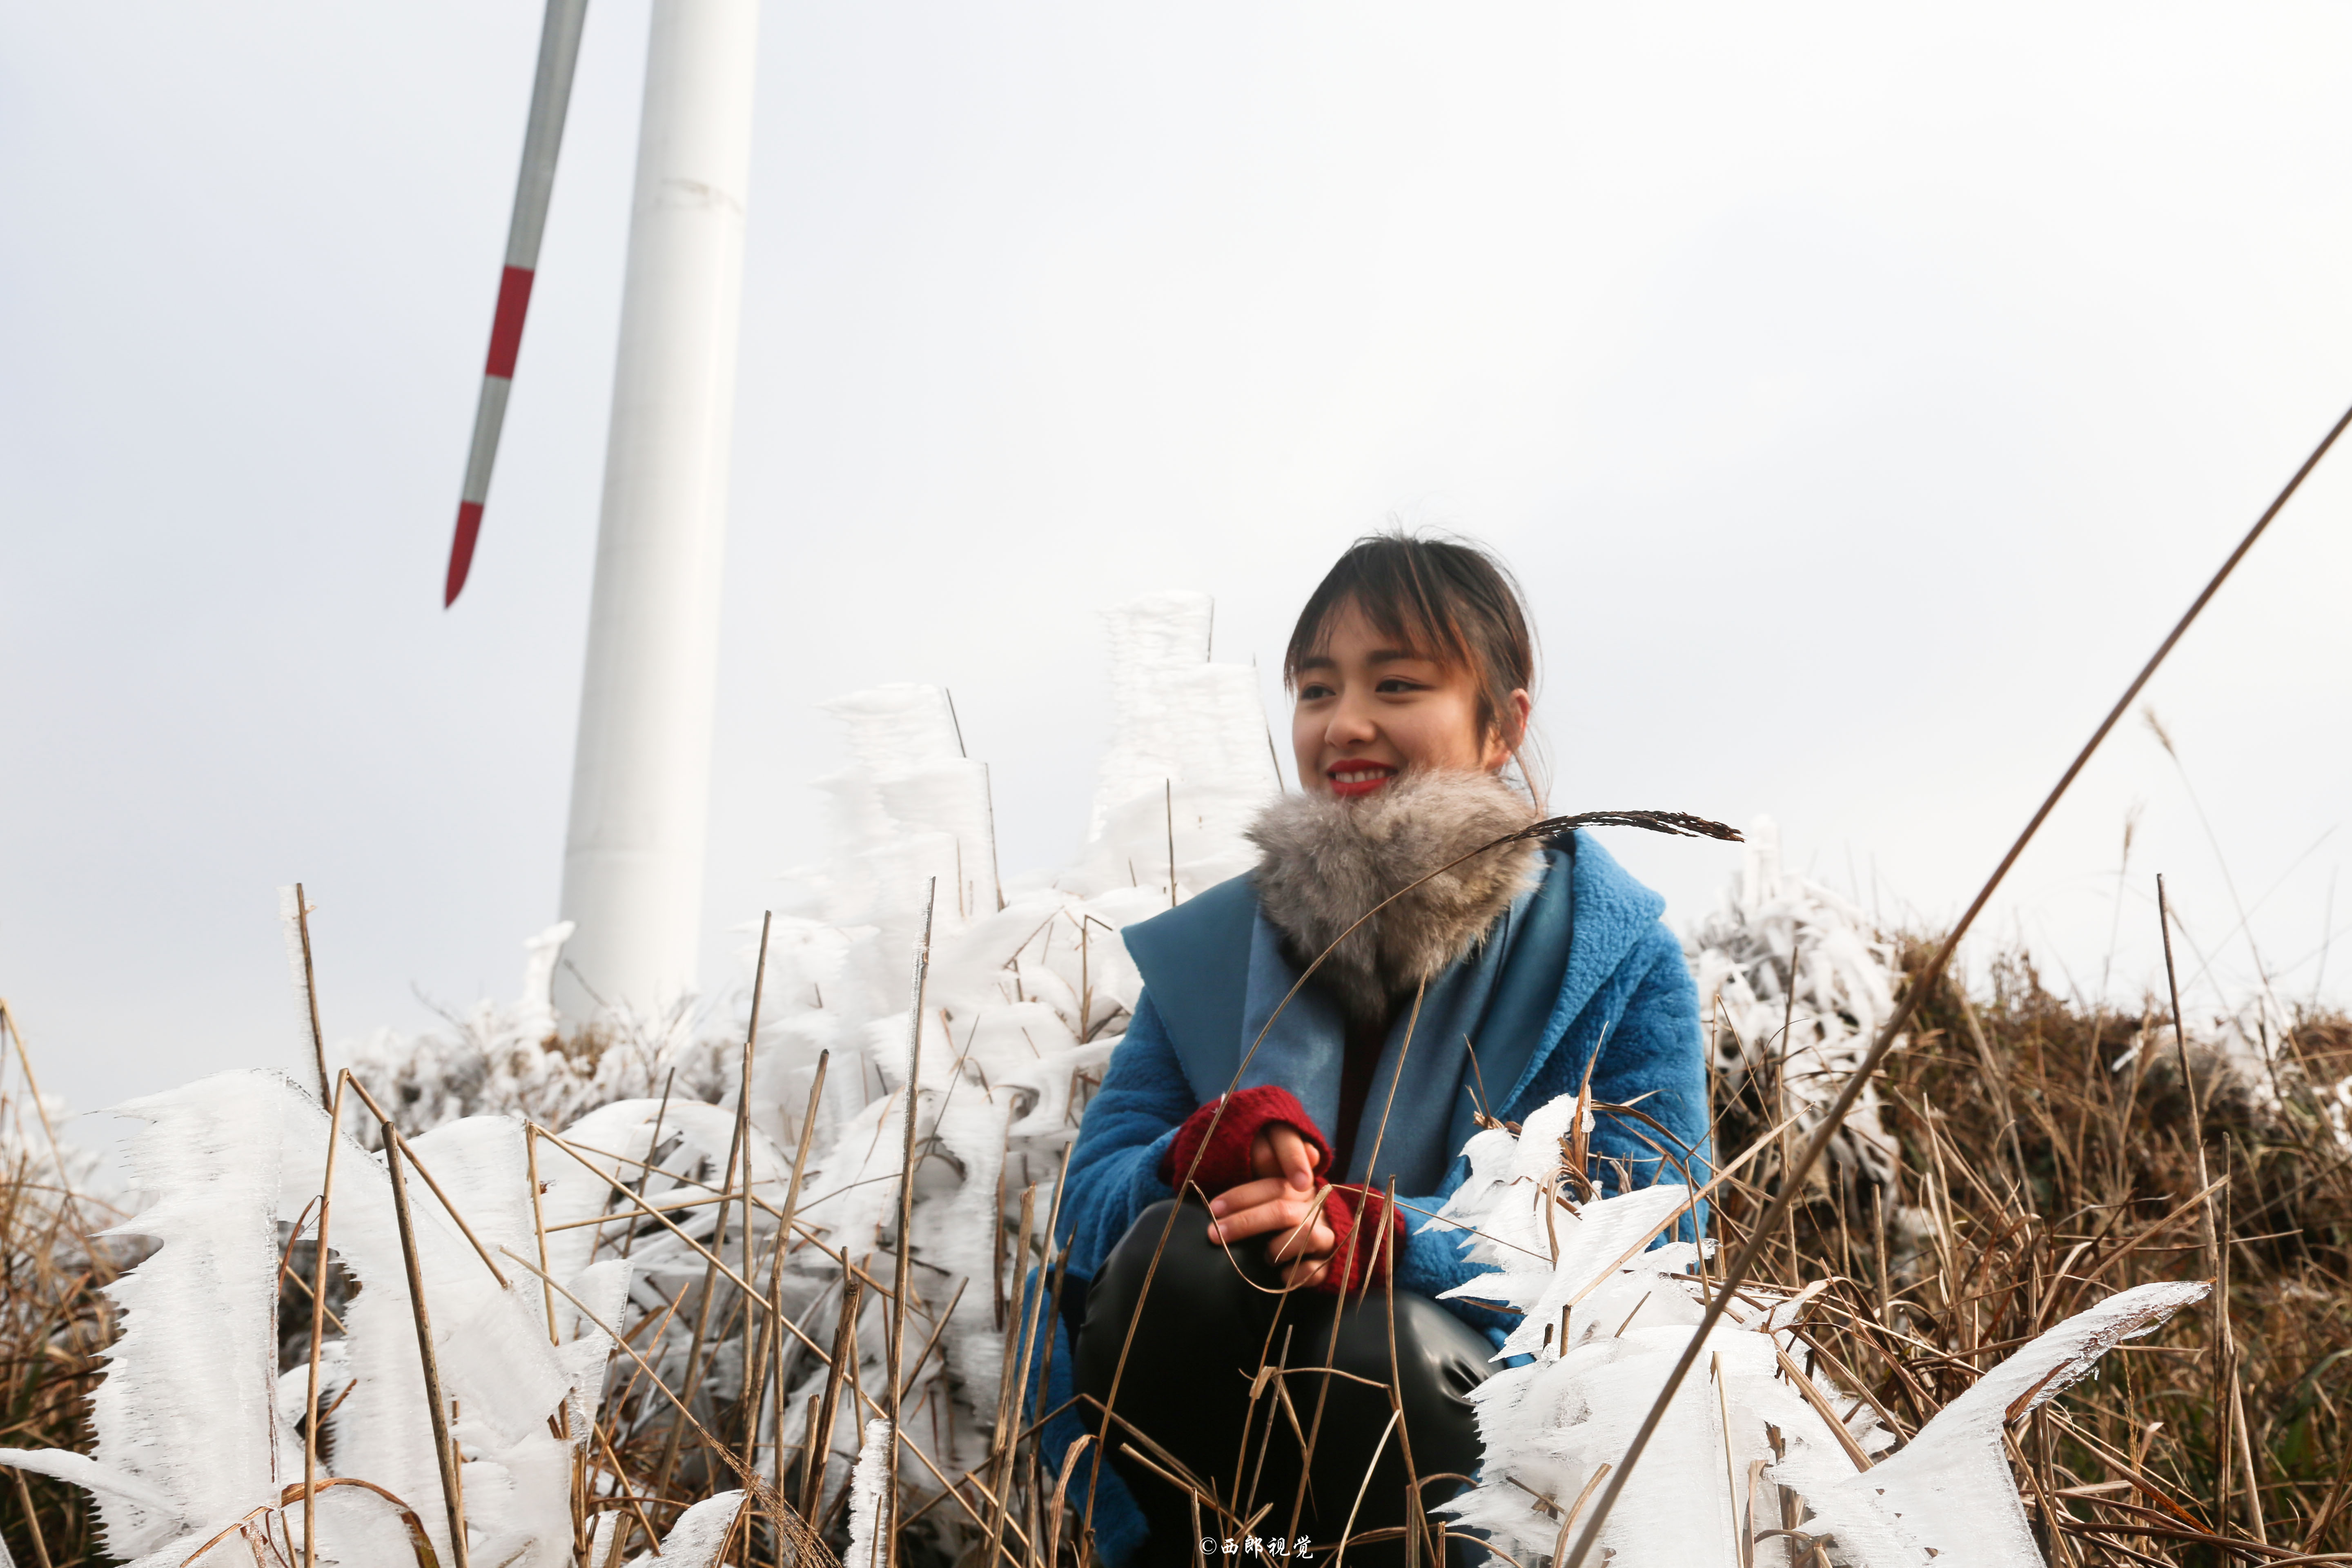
<point x="1313" y="691"/>
<point x="1396" y="685"/>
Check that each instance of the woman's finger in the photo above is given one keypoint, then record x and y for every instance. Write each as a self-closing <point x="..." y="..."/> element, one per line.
<point x="1248" y="1196"/>
<point x="1297" y="1161"/>
<point x="1282" y="1214"/>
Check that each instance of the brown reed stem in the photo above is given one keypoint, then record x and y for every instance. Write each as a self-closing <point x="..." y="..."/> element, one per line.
<point x="311" y="991"/>
<point x="445" y="1445"/>
<point x="897" y="1318"/>
<point x="2228" y="1394"/>
<point x="391" y="1136"/>
<point x="1008" y="1401"/>
<point x="32" y="1519"/>
<point x="775" y="1339"/>
<point x="736" y="1148"/>
<point x="318" y="1336"/>
<point x="538" y="1224"/>
<point x="629" y="1237"/>
<point x="845" y="1356"/>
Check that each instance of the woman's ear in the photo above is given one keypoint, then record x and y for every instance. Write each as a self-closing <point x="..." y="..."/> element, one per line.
<point x="1511" y="734"/>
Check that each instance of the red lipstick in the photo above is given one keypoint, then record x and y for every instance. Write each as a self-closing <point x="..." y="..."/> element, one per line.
<point x="1351" y="779"/>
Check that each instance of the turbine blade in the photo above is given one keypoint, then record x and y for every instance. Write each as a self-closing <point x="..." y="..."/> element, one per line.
<point x="550" y="96"/>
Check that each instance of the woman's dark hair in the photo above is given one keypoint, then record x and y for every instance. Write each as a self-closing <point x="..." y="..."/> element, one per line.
<point x="1444" y="599"/>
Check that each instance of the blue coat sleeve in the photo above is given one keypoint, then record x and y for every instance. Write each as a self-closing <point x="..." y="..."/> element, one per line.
<point x="1114" y="1170"/>
<point x="1640" y="1033"/>
<point x="1644" y="1025"/>
<point x="1652" y="1059"/>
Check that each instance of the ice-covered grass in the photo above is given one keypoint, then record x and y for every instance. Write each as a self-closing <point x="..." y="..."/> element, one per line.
<point x="1765" y="1455"/>
<point x="1795" y="985"/>
<point x="2011" y="1199"/>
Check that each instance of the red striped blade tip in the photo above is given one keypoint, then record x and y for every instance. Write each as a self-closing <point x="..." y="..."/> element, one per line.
<point x="461" y="550"/>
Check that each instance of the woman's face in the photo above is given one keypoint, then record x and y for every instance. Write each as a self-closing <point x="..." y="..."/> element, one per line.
<point x="1367" y="711"/>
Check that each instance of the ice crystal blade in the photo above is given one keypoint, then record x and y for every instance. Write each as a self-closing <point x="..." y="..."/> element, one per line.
<point x="868" y="1507"/>
<point x="697" y="1537"/>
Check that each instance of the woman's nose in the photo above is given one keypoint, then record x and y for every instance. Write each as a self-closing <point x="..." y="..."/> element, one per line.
<point x="1350" y="725"/>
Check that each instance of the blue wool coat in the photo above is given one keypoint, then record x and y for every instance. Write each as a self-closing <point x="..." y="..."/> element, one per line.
<point x="1623" y="1005"/>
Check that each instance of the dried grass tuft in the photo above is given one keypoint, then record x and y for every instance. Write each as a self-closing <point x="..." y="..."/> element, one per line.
<point x="2047" y="1161"/>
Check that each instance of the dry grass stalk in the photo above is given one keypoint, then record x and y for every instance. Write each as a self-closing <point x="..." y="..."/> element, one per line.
<point x="452" y="1492"/>
<point x="894" y="1360"/>
<point x="318" y="1331"/>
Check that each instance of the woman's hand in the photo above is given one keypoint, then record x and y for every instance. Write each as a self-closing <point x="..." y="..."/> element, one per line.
<point x="1282" y="1204"/>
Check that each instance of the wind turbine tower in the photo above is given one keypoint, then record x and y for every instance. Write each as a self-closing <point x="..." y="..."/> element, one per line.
<point x="641" y="768"/>
<point x="632" y="855"/>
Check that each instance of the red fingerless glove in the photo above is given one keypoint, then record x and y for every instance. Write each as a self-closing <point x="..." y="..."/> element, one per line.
<point x="1224" y="1153"/>
<point x="1375" y="1258"/>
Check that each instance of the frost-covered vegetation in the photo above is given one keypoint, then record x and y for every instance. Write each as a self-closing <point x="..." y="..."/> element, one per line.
<point x="660" y="1257"/>
<point x="1797" y="986"/>
<point x="1767" y="1453"/>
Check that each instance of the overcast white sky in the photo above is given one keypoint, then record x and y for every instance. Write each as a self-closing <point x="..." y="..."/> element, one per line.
<point x="1859" y="391"/>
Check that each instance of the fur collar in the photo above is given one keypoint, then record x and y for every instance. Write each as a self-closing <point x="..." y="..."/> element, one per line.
<point x="1326" y="860"/>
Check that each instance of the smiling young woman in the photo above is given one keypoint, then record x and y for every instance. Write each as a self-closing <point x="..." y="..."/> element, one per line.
<point x="1276" y="1122"/>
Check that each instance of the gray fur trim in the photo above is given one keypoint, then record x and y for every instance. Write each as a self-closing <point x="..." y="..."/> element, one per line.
<point x="1326" y="860"/>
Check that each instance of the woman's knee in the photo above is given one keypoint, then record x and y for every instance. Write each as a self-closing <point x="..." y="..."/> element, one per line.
<point x="1166" y="1271"/>
<point x="1437" y="1361"/>
<point x="1161" y="1253"/>
<point x="1133" y="1252"/>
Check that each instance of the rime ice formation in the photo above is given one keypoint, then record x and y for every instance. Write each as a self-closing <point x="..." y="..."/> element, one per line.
<point x="866" y="1512"/>
<point x="1740" y="1449"/>
<point x="195" y="1424"/>
<point x="1774" y="924"/>
<point x="507" y="1058"/>
<point x="199" y="1341"/>
<point x="699" y="1536"/>
<point x="1950" y="1489"/>
<point x="694" y="1542"/>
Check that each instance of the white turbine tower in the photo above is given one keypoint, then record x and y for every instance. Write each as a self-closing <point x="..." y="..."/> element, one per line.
<point x="633" y="853"/>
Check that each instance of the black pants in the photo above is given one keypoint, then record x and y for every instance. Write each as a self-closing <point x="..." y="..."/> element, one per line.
<point x="1210" y="1320"/>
